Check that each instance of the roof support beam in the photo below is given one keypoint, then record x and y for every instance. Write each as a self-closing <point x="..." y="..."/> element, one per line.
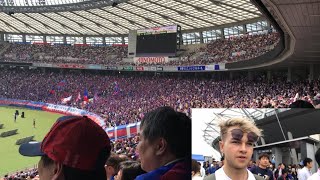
<point x="96" y="22"/>
<point x="79" y="23"/>
<point x="161" y="14"/>
<point x="8" y="24"/>
<point x="139" y="15"/>
<point x="113" y="22"/>
<point x="26" y="14"/>
<point x="63" y="25"/>
<point x="27" y="25"/>
<point x="212" y="12"/>
<point x="180" y="12"/>
<point x="236" y="7"/>
<point x="122" y="17"/>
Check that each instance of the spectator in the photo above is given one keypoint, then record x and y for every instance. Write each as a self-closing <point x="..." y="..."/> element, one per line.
<point x="112" y="166"/>
<point x="237" y="139"/>
<point x="316" y="175"/>
<point x="129" y="170"/>
<point x="195" y="170"/>
<point x="263" y="168"/>
<point x="165" y="145"/>
<point x="305" y="172"/>
<point x="64" y="150"/>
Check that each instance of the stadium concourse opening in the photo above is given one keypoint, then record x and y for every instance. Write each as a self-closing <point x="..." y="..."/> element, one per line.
<point x="116" y="60"/>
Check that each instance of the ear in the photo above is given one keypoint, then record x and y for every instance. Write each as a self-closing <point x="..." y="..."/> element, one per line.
<point x="221" y="145"/>
<point x="161" y="146"/>
<point x="57" y="171"/>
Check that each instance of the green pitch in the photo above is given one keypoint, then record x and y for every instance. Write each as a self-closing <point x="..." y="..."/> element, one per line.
<point x="10" y="159"/>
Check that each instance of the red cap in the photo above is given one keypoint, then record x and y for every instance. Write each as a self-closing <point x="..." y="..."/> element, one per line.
<point x="76" y="142"/>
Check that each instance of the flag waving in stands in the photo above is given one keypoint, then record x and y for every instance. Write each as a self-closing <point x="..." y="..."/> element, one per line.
<point x="85" y="96"/>
<point x="78" y="97"/>
<point x="66" y="100"/>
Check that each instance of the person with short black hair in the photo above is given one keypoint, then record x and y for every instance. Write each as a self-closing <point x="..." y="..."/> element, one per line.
<point x="76" y="148"/>
<point x="316" y="176"/>
<point x="283" y="175"/>
<point x="305" y="172"/>
<point x="129" y="170"/>
<point x="263" y="168"/>
<point x="112" y="165"/>
<point x="165" y="145"/>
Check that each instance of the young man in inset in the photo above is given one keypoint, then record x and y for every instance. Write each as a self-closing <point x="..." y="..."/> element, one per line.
<point x="76" y="148"/>
<point x="238" y="136"/>
<point x="263" y="168"/>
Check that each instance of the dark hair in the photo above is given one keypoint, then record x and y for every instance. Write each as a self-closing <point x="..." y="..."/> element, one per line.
<point x="264" y="155"/>
<point x="174" y="127"/>
<point x="317" y="156"/>
<point x="195" y="166"/>
<point x="301" y="104"/>
<point x="114" y="160"/>
<point x="77" y="174"/>
<point x="306" y="161"/>
<point x="130" y="170"/>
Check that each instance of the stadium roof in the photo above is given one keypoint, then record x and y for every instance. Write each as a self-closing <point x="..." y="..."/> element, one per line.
<point x="104" y="18"/>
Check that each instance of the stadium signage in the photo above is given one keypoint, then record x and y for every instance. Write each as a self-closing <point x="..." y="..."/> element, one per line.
<point x="72" y="66"/>
<point x="157" y="30"/>
<point x="139" y="68"/>
<point x="150" y="60"/>
<point x="111" y="67"/>
<point x="127" y="68"/>
<point x="191" y="68"/>
<point x="94" y="66"/>
<point x="153" y="68"/>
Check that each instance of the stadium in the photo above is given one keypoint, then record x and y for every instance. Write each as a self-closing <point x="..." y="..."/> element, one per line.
<point x="115" y="60"/>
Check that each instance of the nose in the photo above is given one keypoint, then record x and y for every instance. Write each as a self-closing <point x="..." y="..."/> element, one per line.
<point x="243" y="148"/>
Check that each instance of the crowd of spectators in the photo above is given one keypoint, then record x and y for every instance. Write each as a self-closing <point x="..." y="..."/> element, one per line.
<point x="47" y="53"/>
<point x="123" y="99"/>
<point x="232" y="49"/>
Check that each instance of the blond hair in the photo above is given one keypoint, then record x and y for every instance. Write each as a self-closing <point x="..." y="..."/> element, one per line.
<point x="246" y="125"/>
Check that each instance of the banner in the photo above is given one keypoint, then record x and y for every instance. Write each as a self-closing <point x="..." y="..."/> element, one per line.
<point x="139" y="68"/>
<point x="110" y="67"/>
<point x="94" y="66"/>
<point x="157" y="30"/>
<point x="71" y="66"/>
<point x="191" y="68"/>
<point x="127" y="68"/>
<point x="150" y="60"/>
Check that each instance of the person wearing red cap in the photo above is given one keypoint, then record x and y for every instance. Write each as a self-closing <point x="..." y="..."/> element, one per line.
<point x="76" y="148"/>
<point x="165" y="145"/>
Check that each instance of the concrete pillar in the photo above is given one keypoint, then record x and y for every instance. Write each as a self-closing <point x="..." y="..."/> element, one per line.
<point x="231" y="75"/>
<point x="24" y="38"/>
<point x="250" y="75"/>
<point x="294" y="155"/>
<point x="244" y="28"/>
<point x="311" y="72"/>
<point x="201" y="37"/>
<point x="277" y="154"/>
<point x="84" y="40"/>
<point x="222" y="33"/>
<point x="104" y="40"/>
<point x="289" y="76"/>
<point x="269" y="76"/>
<point x="64" y="39"/>
<point x="307" y="150"/>
<point x="45" y="39"/>
<point x="1" y="37"/>
<point x="123" y="41"/>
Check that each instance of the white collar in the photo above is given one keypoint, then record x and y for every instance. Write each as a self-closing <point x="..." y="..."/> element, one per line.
<point x="221" y="175"/>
